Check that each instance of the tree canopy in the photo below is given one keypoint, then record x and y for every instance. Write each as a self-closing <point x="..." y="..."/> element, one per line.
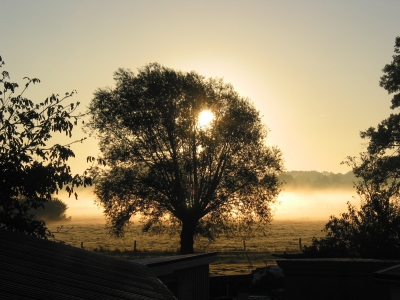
<point x="373" y="231"/>
<point x="171" y="169"/>
<point x="32" y="166"/>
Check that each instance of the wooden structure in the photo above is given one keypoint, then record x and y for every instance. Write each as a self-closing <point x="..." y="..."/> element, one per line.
<point x="187" y="276"/>
<point x="32" y="268"/>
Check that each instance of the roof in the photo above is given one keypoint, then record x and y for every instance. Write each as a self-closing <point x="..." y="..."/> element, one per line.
<point x="169" y="264"/>
<point x="32" y="268"/>
<point x="391" y="274"/>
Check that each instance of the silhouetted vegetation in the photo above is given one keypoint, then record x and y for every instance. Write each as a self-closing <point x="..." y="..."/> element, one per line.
<point x="178" y="174"/>
<point x="313" y="180"/>
<point x="372" y="231"/>
<point x="53" y="210"/>
<point x="32" y="169"/>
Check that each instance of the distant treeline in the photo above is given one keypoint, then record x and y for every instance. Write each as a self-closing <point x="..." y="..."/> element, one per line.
<point x="307" y="180"/>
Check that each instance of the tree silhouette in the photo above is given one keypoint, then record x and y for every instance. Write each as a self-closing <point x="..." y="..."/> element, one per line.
<point x="32" y="167"/>
<point x="173" y="171"/>
<point x="53" y="210"/>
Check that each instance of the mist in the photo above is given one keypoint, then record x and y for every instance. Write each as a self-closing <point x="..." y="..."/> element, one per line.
<point x="84" y="209"/>
<point x="313" y="205"/>
<point x="312" y="195"/>
<point x="306" y="195"/>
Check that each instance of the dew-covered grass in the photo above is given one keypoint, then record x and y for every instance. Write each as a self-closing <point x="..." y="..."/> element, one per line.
<point x="279" y="236"/>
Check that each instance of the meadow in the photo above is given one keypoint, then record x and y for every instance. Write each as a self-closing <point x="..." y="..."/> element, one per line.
<point x="279" y="236"/>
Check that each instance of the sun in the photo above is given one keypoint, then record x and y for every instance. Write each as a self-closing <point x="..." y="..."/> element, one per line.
<point x="205" y="118"/>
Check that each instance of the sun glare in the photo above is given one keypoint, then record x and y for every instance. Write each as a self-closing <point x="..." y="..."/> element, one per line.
<point x="205" y="118"/>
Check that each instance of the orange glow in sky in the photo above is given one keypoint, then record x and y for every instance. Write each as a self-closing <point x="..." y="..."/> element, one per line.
<point x="312" y="67"/>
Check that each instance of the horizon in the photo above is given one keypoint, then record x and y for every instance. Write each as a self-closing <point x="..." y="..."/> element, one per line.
<point x="300" y="203"/>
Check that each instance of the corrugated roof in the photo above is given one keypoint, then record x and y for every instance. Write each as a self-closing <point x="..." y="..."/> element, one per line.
<point x="32" y="268"/>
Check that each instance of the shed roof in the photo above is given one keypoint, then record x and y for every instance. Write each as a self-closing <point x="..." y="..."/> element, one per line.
<point x="391" y="274"/>
<point x="32" y="268"/>
<point x="169" y="264"/>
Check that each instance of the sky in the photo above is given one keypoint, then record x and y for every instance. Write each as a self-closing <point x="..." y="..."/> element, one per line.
<point x="311" y="68"/>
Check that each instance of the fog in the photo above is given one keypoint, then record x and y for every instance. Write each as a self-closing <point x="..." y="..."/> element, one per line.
<point x="293" y="205"/>
<point x="313" y="205"/>
<point x="84" y="209"/>
<point x="306" y="195"/>
<point x="315" y="195"/>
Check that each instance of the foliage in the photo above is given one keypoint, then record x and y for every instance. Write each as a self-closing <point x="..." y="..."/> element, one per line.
<point x="373" y="231"/>
<point x="32" y="168"/>
<point x="53" y="210"/>
<point x="165" y="166"/>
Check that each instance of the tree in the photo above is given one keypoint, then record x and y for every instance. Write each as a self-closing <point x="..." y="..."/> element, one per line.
<point x="167" y="166"/>
<point x="373" y="231"/>
<point x="32" y="167"/>
<point x="53" y="210"/>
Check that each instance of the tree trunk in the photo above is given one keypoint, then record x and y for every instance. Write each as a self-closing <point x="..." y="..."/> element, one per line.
<point x="187" y="234"/>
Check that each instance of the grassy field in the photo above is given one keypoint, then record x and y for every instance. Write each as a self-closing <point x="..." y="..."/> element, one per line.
<point x="278" y="237"/>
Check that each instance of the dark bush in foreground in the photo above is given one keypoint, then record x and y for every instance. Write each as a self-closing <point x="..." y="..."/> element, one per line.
<point x="373" y="231"/>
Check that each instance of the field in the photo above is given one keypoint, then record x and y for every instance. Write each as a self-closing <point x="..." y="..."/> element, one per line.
<point x="232" y="259"/>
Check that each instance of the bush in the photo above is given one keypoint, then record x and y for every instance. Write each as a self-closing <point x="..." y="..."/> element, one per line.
<point x="53" y="210"/>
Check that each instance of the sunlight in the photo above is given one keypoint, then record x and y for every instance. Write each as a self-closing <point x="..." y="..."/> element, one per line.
<point x="205" y="118"/>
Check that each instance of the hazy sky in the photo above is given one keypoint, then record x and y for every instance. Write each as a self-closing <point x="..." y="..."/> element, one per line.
<point x="311" y="67"/>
